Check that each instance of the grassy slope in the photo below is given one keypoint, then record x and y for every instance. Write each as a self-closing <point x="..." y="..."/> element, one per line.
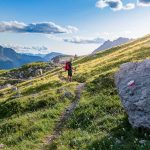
<point x="25" y="121"/>
<point x="98" y="122"/>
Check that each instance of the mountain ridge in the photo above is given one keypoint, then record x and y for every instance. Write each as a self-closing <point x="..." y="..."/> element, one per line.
<point x="10" y="59"/>
<point x="110" y="44"/>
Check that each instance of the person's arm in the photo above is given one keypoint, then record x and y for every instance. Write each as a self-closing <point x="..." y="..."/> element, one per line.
<point x="73" y="68"/>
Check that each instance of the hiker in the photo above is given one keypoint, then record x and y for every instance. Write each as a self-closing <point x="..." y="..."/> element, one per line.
<point x="69" y="68"/>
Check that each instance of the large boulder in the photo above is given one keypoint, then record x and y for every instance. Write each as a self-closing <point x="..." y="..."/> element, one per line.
<point x="133" y="83"/>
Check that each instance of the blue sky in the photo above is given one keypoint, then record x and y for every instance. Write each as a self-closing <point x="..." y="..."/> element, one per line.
<point x="70" y="26"/>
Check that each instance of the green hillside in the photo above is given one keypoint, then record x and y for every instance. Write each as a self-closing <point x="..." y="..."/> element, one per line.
<point x="99" y="121"/>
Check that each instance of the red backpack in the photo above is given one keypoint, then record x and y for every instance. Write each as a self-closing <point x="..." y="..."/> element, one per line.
<point x="67" y="66"/>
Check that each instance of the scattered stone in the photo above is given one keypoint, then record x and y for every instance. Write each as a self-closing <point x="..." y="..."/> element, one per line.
<point x="20" y="75"/>
<point x="142" y="142"/>
<point x="38" y="72"/>
<point x="133" y="83"/>
<point x="30" y="70"/>
<point x="30" y="78"/>
<point x="1" y="146"/>
<point x="68" y="95"/>
<point x="118" y="141"/>
<point x="14" y="88"/>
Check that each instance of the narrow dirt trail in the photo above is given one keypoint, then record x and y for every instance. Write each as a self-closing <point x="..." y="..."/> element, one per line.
<point x="64" y="117"/>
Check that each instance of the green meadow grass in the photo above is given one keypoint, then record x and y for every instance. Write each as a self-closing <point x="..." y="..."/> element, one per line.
<point x="99" y="121"/>
<point x="26" y="120"/>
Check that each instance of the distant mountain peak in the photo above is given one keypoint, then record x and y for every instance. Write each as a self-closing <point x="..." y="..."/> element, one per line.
<point x="51" y="55"/>
<point x="110" y="44"/>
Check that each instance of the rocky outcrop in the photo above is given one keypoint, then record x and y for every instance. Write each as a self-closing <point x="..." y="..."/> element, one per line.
<point x="28" y="71"/>
<point x="5" y="86"/>
<point x="133" y="83"/>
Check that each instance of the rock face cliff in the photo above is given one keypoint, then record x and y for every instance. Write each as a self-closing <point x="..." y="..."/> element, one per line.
<point x="133" y="83"/>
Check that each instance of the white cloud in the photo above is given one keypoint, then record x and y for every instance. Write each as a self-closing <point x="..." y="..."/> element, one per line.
<point x="115" y="5"/>
<point x="143" y="3"/>
<point x="101" y="4"/>
<point x="81" y="40"/>
<point x="72" y="29"/>
<point x="54" y="37"/>
<point x="27" y="49"/>
<point x="42" y="27"/>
